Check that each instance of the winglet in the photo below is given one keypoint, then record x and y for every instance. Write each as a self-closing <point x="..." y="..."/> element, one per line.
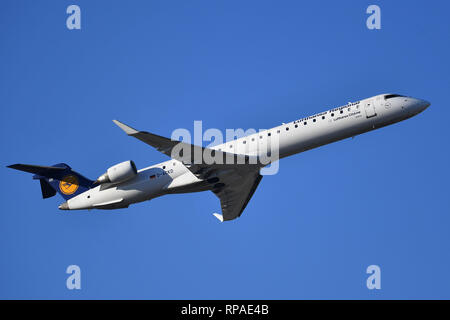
<point x="218" y="216"/>
<point x="128" y="130"/>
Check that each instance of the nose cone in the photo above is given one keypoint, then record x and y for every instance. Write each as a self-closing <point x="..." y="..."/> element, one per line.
<point x="424" y="104"/>
<point x="64" y="206"/>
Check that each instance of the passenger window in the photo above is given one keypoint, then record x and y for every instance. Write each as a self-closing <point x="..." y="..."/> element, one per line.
<point x="305" y="123"/>
<point x="342" y="111"/>
<point x="323" y="117"/>
<point x="332" y="114"/>
<point x="314" y="120"/>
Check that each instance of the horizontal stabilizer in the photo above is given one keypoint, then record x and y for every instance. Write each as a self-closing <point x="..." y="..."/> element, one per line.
<point x="46" y="188"/>
<point x="57" y="178"/>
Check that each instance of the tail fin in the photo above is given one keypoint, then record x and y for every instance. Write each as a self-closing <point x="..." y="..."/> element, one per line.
<point x="57" y="178"/>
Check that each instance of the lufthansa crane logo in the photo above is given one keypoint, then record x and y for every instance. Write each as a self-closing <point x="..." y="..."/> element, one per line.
<point x="68" y="185"/>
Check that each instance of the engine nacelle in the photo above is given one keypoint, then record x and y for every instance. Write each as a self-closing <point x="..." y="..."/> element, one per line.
<point x="119" y="173"/>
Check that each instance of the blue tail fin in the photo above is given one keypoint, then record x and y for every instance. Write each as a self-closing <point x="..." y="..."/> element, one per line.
<point x="57" y="178"/>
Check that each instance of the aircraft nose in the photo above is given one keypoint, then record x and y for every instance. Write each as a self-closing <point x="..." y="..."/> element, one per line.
<point x="425" y="104"/>
<point x="64" y="206"/>
<point x="422" y="105"/>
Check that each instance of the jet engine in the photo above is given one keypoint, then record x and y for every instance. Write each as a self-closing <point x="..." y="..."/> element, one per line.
<point x="119" y="173"/>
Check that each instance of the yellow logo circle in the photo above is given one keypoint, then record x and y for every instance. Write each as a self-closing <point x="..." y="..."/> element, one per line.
<point x="68" y="185"/>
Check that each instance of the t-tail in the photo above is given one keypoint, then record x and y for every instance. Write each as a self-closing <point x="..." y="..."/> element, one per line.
<point x="57" y="178"/>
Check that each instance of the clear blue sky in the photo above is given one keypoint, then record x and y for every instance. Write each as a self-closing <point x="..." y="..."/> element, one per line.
<point x="310" y="231"/>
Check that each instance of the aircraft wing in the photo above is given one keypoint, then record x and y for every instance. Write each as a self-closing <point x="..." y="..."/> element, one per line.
<point x="51" y="172"/>
<point x="166" y="146"/>
<point x="238" y="180"/>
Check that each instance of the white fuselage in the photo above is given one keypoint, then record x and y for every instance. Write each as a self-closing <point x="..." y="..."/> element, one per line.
<point x="294" y="137"/>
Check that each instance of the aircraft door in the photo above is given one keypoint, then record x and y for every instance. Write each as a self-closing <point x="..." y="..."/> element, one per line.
<point x="369" y="107"/>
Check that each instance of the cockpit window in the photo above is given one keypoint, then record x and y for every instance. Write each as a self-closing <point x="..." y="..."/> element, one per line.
<point x="389" y="96"/>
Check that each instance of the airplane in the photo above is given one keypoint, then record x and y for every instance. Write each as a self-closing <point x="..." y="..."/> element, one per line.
<point x="233" y="182"/>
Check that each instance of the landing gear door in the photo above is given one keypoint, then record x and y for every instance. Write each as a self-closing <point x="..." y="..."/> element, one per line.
<point x="369" y="107"/>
